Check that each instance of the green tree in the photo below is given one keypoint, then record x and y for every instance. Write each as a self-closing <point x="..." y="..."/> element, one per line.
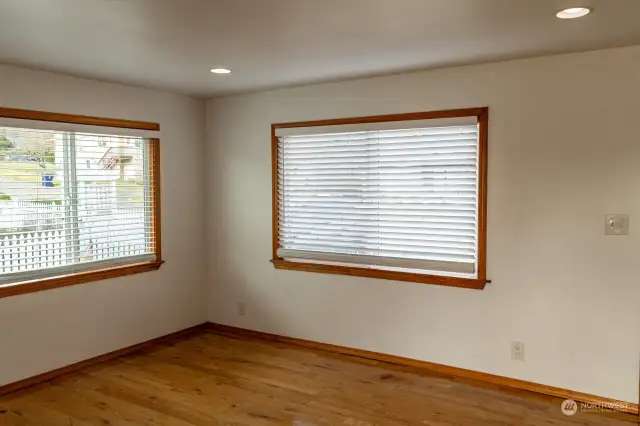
<point x="5" y="143"/>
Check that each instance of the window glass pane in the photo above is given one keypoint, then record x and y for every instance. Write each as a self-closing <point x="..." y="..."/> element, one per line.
<point x="111" y="176"/>
<point x="404" y="198"/>
<point x="72" y="200"/>
<point x="31" y="181"/>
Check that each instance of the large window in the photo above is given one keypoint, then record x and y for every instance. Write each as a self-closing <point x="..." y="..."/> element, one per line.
<point x="79" y="199"/>
<point x="400" y="197"/>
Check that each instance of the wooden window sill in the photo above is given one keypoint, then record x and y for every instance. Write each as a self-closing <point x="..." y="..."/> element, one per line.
<point x="79" y="278"/>
<point x="471" y="283"/>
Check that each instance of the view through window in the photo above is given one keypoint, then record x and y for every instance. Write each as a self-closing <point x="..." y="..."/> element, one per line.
<point x="72" y="201"/>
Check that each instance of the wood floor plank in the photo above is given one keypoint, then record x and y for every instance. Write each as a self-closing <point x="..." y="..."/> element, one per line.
<point x="210" y="379"/>
<point x="120" y="408"/>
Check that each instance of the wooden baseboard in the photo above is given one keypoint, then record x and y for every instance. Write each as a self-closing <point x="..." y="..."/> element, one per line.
<point x="49" y="375"/>
<point x="626" y="407"/>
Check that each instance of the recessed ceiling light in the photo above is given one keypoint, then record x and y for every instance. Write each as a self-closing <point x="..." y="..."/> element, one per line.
<point x="574" y="12"/>
<point x="221" y="71"/>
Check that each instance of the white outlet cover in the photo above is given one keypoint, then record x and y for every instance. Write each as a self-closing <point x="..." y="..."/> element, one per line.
<point x="242" y="308"/>
<point x="616" y="224"/>
<point x="517" y="351"/>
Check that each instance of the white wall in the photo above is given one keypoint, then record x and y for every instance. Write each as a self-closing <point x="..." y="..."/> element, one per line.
<point x="46" y="330"/>
<point x="564" y="151"/>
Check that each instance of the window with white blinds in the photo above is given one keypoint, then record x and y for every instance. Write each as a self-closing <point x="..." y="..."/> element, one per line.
<point x="396" y="195"/>
<point x="73" y="201"/>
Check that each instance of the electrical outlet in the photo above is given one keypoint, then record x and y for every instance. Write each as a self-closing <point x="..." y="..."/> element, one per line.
<point x="517" y="351"/>
<point x="242" y="308"/>
<point x="616" y="224"/>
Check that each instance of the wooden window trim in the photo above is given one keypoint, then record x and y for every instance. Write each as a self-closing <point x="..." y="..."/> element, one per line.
<point x="482" y="115"/>
<point x="77" y="119"/>
<point x="79" y="278"/>
<point x="105" y="273"/>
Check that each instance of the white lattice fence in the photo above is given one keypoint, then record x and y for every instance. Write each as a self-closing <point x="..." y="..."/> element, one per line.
<point x="111" y="250"/>
<point x="48" y="249"/>
<point x="31" y="250"/>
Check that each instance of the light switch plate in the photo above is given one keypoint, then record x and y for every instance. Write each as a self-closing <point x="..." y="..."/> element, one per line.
<point x="616" y="224"/>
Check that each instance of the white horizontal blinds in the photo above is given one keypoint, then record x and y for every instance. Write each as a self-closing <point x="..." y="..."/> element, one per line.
<point x="72" y="202"/>
<point x="400" y="198"/>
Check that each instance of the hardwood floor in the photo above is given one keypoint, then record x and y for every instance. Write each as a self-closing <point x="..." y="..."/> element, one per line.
<point x="209" y="379"/>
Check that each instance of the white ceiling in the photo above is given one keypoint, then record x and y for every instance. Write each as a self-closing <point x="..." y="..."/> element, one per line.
<point x="172" y="44"/>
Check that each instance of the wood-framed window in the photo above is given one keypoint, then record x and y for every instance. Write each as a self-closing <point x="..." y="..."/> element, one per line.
<point x="401" y="197"/>
<point x="79" y="199"/>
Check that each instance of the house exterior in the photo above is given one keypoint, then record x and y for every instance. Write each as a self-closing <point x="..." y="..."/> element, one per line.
<point x="102" y="158"/>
